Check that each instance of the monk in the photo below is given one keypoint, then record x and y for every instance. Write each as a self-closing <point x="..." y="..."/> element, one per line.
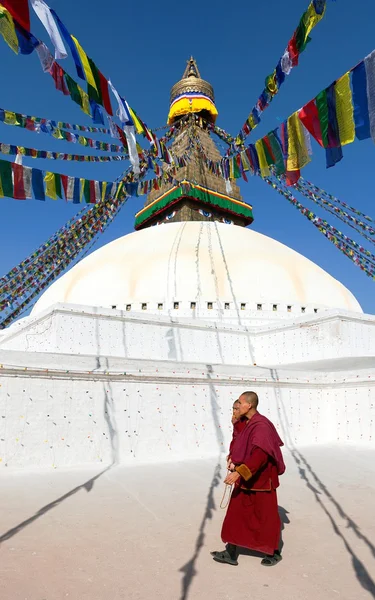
<point x="238" y="423"/>
<point x="252" y="520"/>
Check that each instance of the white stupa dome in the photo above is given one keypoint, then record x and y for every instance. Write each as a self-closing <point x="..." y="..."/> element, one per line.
<point x="192" y="264"/>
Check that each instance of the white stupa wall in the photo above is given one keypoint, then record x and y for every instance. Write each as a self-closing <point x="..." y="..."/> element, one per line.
<point x="101" y="332"/>
<point x="63" y="411"/>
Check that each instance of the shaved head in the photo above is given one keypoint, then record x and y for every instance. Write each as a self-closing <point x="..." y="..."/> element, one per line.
<point x="248" y="403"/>
<point x="250" y="398"/>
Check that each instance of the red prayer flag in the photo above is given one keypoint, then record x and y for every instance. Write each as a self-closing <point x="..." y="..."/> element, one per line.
<point x="19" y="188"/>
<point x="292" y="177"/>
<point x="309" y="116"/>
<point x="19" y="9"/>
<point x="105" y="94"/>
<point x="58" y="73"/>
<point x="92" y="192"/>
<point x="293" y="52"/>
<point x="64" y="179"/>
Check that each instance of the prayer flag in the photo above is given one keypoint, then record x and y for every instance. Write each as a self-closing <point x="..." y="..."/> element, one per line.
<point x="37" y="183"/>
<point x="361" y="116"/>
<point x="43" y="11"/>
<point x="45" y="57"/>
<point x="321" y="103"/>
<point x="19" y="9"/>
<point x="298" y="155"/>
<point x="67" y="37"/>
<point x="105" y="94"/>
<point x="344" y="109"/>
<point x="19" y="189"/>
<point x="6" y="178"/>
<point x="309" y="116"/>
<point x="85" y="63"/>
<point x="263" y="165"/>
<point x="49" y="179"/>
<point x="58" y="73"/>
<point x="8" y="30"/>
<point x="370" y="76"/>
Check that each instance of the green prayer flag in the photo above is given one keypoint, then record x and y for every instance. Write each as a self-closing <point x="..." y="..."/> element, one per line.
<point x="321" y="103"/>
<point x="93" y="94"/>
<point x="73" y="90"/>
<point x="58" y="185"/>
<point x="6" y="178"/>
<point x="277" y="152"/>
<point x="86" y="191"/>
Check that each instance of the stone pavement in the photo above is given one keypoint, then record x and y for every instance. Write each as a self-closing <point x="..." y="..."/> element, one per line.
<point x="145" y="532"/>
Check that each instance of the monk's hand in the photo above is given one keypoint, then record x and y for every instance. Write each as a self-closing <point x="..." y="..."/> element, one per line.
<point x="231" y="478"/>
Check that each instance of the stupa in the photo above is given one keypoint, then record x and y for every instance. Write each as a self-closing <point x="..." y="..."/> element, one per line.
<point x="138" y="351"/>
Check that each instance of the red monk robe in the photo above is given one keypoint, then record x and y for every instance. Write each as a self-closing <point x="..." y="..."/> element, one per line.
<point x="252" y="520"/>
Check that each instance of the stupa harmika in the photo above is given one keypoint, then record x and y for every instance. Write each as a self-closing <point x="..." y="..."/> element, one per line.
<point x="137" y="352"/>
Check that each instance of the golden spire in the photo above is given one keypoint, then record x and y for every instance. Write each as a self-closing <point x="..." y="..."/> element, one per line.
<point x="192" y="82"/>
<point x="182" y="95"/>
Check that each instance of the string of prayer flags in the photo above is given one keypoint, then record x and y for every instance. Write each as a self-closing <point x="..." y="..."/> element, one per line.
<point x="11" y="150"/>
<point x="296" y="45"/>
<point x="344" y="216"/>
<point x="77" y="240"/>
<point x="354" y="251"/>
<point x="322" y="193"/>
<point x="18" y="182"/>
<point x="53" y="128"/>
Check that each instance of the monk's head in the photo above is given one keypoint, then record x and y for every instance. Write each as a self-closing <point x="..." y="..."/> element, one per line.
<point x="248" y="404"/>
<point x="236" y="411"/>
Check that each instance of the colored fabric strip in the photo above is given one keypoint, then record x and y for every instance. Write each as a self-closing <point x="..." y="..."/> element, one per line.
<point x="361" y="115"/>
<point x="43" y="11"/>
<point x="263" y="165"/>
<point x="105" y="94"/>
<point x="8" y="30"/>
<point x="277" y="152"/>
<point x="334" y="151"/>
<point x="26" y="41"/>
<point x="344" y="109"/>
<point x="49" y="179"/>
<point x="309" y="116"/>
<point x="321" y="103"/>
<point x="298" y="156"/>
<point x="19" y="188"/>
<point x="68" y="39"/>
<point x="19" y="9"/>
<point x="73" y="88"/>
<point x="38" y="184"/>
<point x="6" y="178"/>
<point x="85" y="63"/>
<point x="370" y="75"/>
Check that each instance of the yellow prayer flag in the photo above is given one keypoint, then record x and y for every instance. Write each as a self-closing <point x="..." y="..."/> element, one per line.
<point x="49" y="178"/>
<point x="10" y="117"/>
<point x="344" y="110"/>
<point x="85" y="64"/>
<point x="85" y="101"/>
<point x="7" y="29"/>
<point x="58" y="134"/>
<point x="1" y="189"/>
<point x="311" y="18"/>
<point x="136" y="121"/>
<point x="82" y="182"/>
<point x="82" y="140"/>
<point x="263" y="164"/>
<point x="104" y="189"/>
<point x="298" y="155"/>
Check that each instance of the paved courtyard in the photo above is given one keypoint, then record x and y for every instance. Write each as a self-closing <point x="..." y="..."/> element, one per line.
<point x="146" y="532"/>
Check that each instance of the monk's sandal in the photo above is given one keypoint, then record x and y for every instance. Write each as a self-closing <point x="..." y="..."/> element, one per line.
<point x="270" y="561"/>
<point x="224" y="557"/>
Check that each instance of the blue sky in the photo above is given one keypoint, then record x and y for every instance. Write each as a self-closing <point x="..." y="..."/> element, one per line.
<point x="143" y="48"/>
